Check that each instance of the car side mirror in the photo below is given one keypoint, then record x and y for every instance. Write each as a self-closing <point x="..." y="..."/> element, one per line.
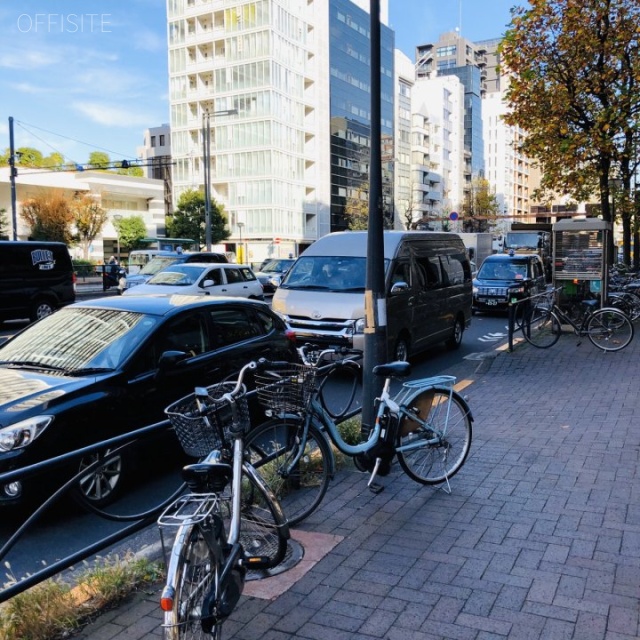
<point x="399" y="287"/>
<point x="170" y="360"/>
<point x="208" y="283"/>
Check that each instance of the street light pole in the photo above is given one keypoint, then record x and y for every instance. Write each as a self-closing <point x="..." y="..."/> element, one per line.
<point x="206" y="156"/>
<point x="117" y="217"/>
<point x="242" y="260"/>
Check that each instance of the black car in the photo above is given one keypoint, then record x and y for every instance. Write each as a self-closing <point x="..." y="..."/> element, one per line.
<point x="271" y="273"/>
<point x="503" y="278"/>
<point x="96" y="369"/>
<point x="36" y="278"/>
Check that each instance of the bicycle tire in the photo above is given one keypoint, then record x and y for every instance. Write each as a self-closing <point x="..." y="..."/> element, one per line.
<point x="190" y="575"/>
<point x="609" y="329"/>
<point x="434" y="463"/>
<point x="272" y="445"/>
<point x="542" y="329"/>
<point x="333" y="394"/>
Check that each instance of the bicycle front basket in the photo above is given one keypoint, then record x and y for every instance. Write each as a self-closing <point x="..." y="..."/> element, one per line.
<point x="201" y="434"/>
<point x="287" y="390"/>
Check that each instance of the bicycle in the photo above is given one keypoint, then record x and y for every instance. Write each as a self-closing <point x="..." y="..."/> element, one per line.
<point x="607" y="328"/>
<point x="427" y="426"/>
<point x="228" y="522"/>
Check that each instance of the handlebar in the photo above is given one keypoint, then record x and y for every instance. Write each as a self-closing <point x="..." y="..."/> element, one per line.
<point x="312" y="354"/>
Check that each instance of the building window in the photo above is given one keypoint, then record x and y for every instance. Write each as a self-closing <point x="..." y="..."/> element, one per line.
<point x="162" y="140"/>
<point x="153" y="141"/>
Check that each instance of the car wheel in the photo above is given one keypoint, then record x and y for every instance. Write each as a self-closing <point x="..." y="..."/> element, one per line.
<point x="455" y="340"/>
<point x="103" y="483"/>
<point x="40" y="309"/>
<point x="401" y="351"/>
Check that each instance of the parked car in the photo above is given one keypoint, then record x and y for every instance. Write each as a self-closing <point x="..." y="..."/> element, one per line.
<point x="203" y="280"/>
<point x="103" y="367"/>
<point x="36" y="278"/>
<point x="163" y="259"/>
<point x="272" y="272"/>
<point x="503" y="277"/>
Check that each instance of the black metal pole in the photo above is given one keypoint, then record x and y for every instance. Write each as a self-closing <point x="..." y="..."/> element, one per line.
<point x="13" y="172"/>
<point x="375" y="332"/>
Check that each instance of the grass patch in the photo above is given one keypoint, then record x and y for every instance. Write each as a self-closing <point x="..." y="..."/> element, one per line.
<point x="53" y="609"/>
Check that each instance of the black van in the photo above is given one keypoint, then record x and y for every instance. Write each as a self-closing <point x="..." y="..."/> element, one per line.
<point x="428" y="296"/>
<point x="36" y="278"/>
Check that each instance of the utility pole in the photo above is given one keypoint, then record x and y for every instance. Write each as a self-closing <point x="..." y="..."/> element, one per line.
<point x="375" y="331"/>
<point x="206" y="157"/>
<point x="13" y="172"/>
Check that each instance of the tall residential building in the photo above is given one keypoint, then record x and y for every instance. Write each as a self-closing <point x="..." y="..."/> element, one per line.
<point x="455" y="55"/>
<point x="281" y="85"/>
<point x="155" y="154"/>
<point x="404" y="215"/>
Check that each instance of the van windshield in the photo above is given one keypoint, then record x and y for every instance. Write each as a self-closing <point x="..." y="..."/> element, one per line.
<point x="156" y="264"/>
<point x="329" y="273"/>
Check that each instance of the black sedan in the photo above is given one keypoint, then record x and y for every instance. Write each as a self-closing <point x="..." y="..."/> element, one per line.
<point x="96" y="369"/>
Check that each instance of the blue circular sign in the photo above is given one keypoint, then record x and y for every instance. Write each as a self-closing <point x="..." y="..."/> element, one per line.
<point x="453" y="215"/>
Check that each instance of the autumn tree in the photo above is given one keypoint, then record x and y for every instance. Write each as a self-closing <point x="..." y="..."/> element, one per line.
<point x="574" y="68"/>
<point x="188" y="220"/>
<point x="480" y="207"/>
<point x="49" y="216"/>
<point x="356" y="210"/>
<point x="89" y="219"/>
<point x="131" y="230"/>
<point x="4" y="224"/>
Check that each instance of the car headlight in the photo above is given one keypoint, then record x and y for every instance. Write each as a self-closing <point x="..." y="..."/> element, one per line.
<point x="358" y="326"/>
<point x="516" y="290"/>
<point x="23" y="433"/>
<point x="475" y="291"/>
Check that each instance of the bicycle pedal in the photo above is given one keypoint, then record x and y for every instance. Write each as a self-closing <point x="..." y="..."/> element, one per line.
<point x="376" y="488"/>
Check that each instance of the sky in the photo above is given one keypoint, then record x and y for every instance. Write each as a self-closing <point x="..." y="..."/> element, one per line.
<point x="79" y="76"/>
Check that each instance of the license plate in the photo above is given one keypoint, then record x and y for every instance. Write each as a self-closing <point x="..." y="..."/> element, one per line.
<point x="489" y="301"/>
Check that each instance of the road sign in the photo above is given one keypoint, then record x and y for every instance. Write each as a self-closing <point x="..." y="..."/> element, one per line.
<point x="453" y="215"/>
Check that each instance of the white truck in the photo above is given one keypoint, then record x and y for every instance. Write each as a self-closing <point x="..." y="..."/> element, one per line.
<point x="479" y="246"/>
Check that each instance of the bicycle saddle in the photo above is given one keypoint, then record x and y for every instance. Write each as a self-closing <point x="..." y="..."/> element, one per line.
<point x="392" y="369"/>
<point x="207" y="477"/>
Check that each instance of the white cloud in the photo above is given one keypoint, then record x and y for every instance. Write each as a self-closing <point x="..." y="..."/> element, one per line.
<point x="146" y="40"/>
<point x="112" y="116"/>
<point x="27" y="87"/>
<point x="28" y="60"/>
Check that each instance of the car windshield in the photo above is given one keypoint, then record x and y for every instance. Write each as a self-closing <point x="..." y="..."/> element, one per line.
<point x="277" y="266"/>
<point x="502" y="270"/>
<point x="178" y="275"/>
<point x="327" y="272"/>
<point x="76" y="339"/>
<point x="156" y="264"/>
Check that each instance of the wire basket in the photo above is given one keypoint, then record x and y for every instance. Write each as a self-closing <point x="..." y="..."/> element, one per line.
<point x="201" y="434"/>
<point x="287" y="390"/>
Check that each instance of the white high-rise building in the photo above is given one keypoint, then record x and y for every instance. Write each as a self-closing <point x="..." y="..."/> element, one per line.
<point x="257" y="72"/>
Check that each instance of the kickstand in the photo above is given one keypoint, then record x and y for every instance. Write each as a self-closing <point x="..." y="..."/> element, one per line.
<point x="375" y="487"/>
<point x="446" y="487"/>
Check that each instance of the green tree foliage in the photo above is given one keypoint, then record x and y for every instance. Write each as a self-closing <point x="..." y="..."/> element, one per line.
<point x="480" y="208"/>
<point x="574" y="71"/>
<point x="89" y="219"/>
<point x="49" y="216"/>
<point x="356" y="210"/>
<point x="188" y="220"/>
<point x="131" y="230"/>
<point x="99" y="160"/>
<point x="4" y="224"/>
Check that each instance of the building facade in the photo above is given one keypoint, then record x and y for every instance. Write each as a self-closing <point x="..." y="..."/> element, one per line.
<point x="155" y="154"/>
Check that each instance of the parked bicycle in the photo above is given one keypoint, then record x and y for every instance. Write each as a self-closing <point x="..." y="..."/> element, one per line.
<point x="427" y="426"/>
<point x="228" y="523"/>
<point x="607" y="328"/>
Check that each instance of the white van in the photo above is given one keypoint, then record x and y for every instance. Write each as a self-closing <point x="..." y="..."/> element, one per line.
<point x="428" y="285"/>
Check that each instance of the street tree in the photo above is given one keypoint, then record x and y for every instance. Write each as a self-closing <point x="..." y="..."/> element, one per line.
<point x="99" y="160"/>
<point x="131" y="230"/>
<point x="188" y="220"/>
<point x="574" y="69"/>
<point x="4" y="224"/>
<point x="89" y="219"/>
<point x="49" y="216"/>
<point x="480" y="208"/>
<point x="356" y="210"/>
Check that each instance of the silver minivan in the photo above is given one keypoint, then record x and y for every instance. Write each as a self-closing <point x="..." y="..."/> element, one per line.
<point x="428" y="291"/>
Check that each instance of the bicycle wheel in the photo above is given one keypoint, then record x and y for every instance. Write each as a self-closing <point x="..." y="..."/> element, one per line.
<point x="609" y="329"/>
<point x="263" y="526"/>
<point x="542" y="328"/>
<point x="338" y="390"/>
<point x="273" y="446"/>
<point x="190" y="577"/>
<point x="434" y="450"/>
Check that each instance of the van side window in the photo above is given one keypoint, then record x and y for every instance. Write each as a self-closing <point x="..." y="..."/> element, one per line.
<point x="453" y="269"/>
<point x="431" y="269"/>
<point x="401" y="273"/>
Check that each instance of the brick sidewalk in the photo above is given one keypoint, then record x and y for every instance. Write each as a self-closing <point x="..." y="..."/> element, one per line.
<point x="540" y="538"/>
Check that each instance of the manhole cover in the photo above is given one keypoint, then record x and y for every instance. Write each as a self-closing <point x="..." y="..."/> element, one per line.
<point x="295" y="553"/>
